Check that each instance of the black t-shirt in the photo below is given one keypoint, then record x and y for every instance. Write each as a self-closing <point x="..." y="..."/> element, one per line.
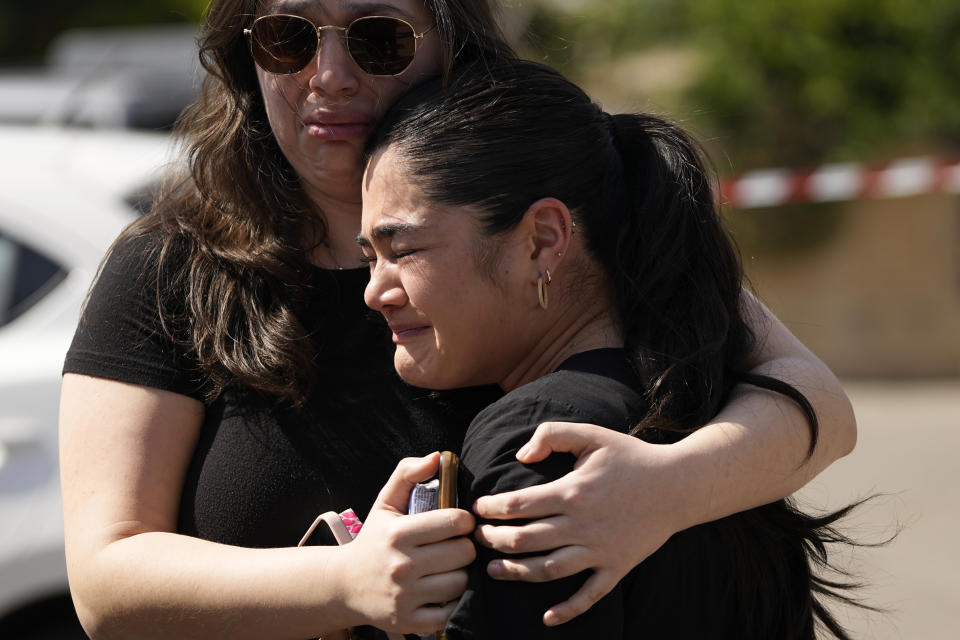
<point x="261" y="472"/>
<point x="742" y="577"/>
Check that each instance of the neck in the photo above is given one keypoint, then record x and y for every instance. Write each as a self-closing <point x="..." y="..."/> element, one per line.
<point x="574" y="330"/>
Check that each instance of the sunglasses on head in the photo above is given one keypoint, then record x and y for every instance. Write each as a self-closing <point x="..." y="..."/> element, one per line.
<point x="379" y="45"/>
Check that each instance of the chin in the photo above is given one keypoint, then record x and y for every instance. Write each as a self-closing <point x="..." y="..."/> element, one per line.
<point x="424" y="376"/>
<point x="420" y="378"/>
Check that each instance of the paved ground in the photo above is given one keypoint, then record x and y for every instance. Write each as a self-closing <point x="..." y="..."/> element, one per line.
<point x="908" y="449"/>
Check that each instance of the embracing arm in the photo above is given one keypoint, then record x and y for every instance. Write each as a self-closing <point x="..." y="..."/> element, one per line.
<point x="124" y="453"/>
<point x="756" y="449"/>
<point x="754" y="452"/>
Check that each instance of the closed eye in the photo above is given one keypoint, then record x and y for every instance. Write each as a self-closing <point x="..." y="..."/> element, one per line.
<point x="399" y="255"/>
<point x="403" y="254"/>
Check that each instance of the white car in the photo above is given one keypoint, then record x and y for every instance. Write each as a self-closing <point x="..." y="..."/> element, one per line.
<point x="65" y="194"/>
<point x="131" y="77"/>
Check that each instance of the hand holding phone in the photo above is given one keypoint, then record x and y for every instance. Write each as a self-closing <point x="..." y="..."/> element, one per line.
<point x="439" y="492"/>
<point x="402" y="537"/>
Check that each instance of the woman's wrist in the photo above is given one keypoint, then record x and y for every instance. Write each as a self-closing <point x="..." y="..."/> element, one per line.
<point x="684" y="485"/>
<point x="725" y="468"/>
<point x="332" y="579"/>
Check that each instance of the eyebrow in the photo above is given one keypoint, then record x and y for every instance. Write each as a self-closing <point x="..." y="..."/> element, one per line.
<point x="387" y="231"/>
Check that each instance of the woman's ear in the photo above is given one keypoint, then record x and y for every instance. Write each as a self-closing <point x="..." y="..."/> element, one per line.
<point x="548" y="225"/>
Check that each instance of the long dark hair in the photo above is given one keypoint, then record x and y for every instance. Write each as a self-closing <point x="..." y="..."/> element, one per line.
<point x="234" y="277"/>
<point x="497" y="140"/>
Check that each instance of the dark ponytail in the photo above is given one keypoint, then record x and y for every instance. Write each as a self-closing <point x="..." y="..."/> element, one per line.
<point x="677" y="280"/>
<point x="499" y="138"/>
<point x="680" y="297"/>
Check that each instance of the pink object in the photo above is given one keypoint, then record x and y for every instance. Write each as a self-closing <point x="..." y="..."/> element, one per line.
<point x="344" y="526"/>
<point x="351" y="522"/>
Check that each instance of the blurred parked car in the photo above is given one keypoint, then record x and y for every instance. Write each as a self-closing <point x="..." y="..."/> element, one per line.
<point x="64" y="196"/>
<point x="136" y="77"/>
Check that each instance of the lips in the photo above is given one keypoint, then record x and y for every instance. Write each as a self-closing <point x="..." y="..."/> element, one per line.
<point x="339" y="125"/>
<point x="405" y="332"/>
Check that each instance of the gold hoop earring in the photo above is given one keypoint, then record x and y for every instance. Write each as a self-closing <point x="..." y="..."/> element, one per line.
<point x="542" y="290"/>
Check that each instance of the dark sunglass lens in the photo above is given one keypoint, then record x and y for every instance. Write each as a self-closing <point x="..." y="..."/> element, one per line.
<point x="382" y="46"/>
<point x="283" y="44"/>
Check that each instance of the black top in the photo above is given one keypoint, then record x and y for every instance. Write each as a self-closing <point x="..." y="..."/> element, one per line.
<point x="741" y="577"/>
<point x="261" y="472"/>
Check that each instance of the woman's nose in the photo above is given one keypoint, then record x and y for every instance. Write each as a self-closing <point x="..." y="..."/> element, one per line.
<point x="384" y="291"/>
<point x="334" y="73"/>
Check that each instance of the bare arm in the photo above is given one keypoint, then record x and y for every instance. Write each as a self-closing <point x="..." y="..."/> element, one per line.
<point x="755" y="449"/>
<point x="124" y="455"/>
<point x="626" y="497"/>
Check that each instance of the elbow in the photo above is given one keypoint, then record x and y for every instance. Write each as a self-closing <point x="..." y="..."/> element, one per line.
<point x="101" y="606"/>
<point x="850" y="440"/>
<point x="101" y="621"/>
<point x="91" y="620"/>
<point x="98" y="619"/>
<point x="844" y="427"/>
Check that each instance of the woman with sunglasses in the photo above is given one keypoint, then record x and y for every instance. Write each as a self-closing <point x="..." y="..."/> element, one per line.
<point x="226" y="382"/>
<point x="593" y="250"/>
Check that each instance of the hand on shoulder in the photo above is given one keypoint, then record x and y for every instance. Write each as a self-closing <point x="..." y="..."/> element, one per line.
<point x="621" y="502"/>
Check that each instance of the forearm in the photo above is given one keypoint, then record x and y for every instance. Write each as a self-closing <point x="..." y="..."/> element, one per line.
<point x="124" y="451"/>
<point x="163" y="585"/>
<point x="756" y="449"/>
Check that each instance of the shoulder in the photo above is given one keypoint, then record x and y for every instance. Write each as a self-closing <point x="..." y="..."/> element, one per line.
<point x="131" y="315"/>
<point x="140" y="252"/>
<point x="498" y="431"/>
<point x="562" y="395"/>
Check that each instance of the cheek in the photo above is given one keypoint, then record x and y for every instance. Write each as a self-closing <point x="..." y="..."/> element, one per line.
<point x="280" y="94"/>
<point x="476" y="317"/>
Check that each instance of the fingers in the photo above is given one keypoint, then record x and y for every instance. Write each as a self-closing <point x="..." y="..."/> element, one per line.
<point x="395" y="494"/>
<point x="440" y="594"/>
<point x="443" y="556"/>
<point x="433" y="526"/>
<point x="539" y="535"/>
<point x="443" y="587"/>
<point x="431" y="617"/>
<point x="539" y="501"/>
<point x="563" y="562"/>
<point x="572" y="437"/>
<point x="597" y="585"/>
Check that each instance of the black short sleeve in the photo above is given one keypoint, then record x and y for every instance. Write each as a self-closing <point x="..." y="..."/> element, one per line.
<point x="120" y="335"/>
<point x="496" y="609"/>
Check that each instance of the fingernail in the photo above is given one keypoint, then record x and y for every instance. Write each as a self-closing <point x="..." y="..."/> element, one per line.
<point x="480" y="539"/>
<point x="495" y="569"/>
<point x="550" y="618"/>
<point x="523" y="451"/>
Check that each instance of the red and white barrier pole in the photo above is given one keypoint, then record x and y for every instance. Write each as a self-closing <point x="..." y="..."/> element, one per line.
<point x="838" y="182"/>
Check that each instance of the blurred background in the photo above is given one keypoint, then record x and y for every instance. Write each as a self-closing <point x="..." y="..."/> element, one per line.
<point x="833" y="124"/>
